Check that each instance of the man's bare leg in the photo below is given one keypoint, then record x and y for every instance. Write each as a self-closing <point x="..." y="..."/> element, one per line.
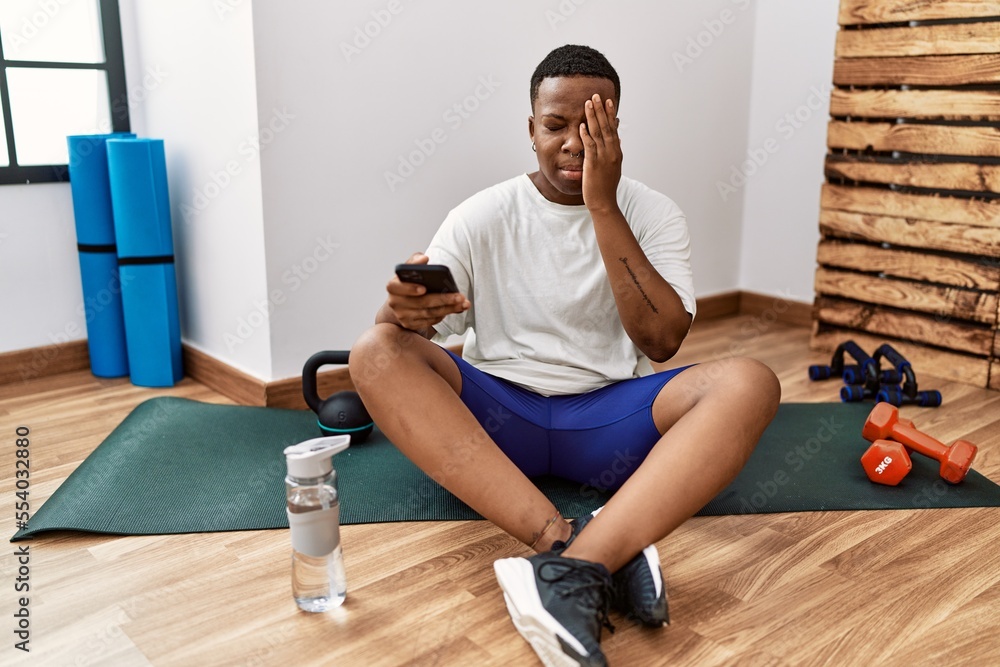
<point x="712" y="416"/>
<point x="411" y="388"/>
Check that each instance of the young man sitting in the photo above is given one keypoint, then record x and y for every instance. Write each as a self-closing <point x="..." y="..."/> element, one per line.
<point x="570" y="280"/>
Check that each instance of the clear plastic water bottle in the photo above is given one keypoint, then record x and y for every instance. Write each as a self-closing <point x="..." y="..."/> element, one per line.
<point x="319" y="582"/>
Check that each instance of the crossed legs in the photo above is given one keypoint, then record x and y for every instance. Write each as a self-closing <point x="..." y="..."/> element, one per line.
<point x="711" y="415"/>
<point x="411" y="388"/>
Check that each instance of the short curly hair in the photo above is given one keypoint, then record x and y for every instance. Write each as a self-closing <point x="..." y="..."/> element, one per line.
<point x="574" y="60"/>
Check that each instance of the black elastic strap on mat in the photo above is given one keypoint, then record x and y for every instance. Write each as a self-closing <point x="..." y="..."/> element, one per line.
<point x="91" y="247"/>
<point x="139" y="261"/>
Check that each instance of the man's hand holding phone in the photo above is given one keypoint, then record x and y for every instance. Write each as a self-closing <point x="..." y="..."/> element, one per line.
<point x="421" y="295"/>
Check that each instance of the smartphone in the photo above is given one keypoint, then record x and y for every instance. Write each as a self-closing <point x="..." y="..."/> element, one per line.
<point x="435" y="277"/>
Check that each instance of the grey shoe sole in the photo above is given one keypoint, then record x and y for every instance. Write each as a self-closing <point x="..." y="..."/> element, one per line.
<point x="553" y="644"/>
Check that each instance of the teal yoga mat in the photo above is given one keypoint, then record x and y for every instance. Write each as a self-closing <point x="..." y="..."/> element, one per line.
<point x="95" y="237"/>
<point x="180" y="466"/>
<point x="140" y="198"/>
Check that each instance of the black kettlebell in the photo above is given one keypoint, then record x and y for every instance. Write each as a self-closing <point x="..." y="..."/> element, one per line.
<point x="341" y="413"/>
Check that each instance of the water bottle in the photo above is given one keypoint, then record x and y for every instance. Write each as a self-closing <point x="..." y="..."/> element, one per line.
<point x="319" y="582"/>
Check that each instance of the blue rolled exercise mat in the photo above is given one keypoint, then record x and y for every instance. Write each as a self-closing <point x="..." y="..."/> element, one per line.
<point x="141" y="202"/>
<point x="95" y="241"/>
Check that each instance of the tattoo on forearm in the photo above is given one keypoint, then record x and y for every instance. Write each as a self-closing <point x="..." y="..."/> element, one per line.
<point x="635" y="279"/>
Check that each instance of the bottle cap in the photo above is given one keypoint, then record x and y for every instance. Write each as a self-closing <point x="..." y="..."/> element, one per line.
<point x="312" y="457"/>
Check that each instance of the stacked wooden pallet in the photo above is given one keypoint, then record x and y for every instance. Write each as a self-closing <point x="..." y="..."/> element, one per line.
<point x="910" y="218"/>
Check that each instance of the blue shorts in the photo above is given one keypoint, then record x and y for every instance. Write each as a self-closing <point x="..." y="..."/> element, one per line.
<point x="597" y="438"/>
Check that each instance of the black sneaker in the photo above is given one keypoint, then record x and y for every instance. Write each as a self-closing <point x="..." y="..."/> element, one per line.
<point x="559" y="605"/>
<point x="638" y="589"/>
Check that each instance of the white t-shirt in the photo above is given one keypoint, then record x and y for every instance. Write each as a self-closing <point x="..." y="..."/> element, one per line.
<point x="543" y="313"/>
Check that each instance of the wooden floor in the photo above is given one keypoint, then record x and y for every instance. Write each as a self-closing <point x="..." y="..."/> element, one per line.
<point x="907" y="588"/>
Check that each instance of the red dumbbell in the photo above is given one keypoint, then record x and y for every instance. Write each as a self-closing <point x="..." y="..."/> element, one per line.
<point x="884" y="423"/>
<point x="886" y="462"/>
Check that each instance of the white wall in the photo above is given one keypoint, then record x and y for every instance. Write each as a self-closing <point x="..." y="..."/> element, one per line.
<point x="205" y="110"/>
<point x="355" y="114"/>
<point x="40" y="293"/>
<point x="792" y="74"/>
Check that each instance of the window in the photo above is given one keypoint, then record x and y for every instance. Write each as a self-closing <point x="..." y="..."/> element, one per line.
<point x="61" y="73"/>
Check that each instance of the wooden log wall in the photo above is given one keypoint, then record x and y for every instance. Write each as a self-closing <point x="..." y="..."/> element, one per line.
<point x="910" y="213"/>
